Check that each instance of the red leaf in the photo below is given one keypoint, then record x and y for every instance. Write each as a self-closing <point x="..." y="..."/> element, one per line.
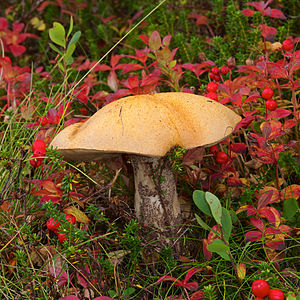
<point x="166" y="40"/>
<point x="252" y="236"/>
<point x="234" y="181"/>
<point x="115" y="59"/>
<point x="18" y="27"/>
<point x="260" y="6"/>
<point x="248" y="12"/>
<point x="197" y="295"/>
<point x="70" y="297"/>
<point x="17" y="50"/>
<point x="277" y="14"/>
<point x="207" y="254"/>
<point x="190" y="273"/>
<point x="144" y="38"/>
<point x="289" y="124"/>
<point x="258" y="223"/>
<point x="271" y="214"/>
<point x="279" y="113"/>
<point x="131" y="67"/>
<point x="238" y="148"/>
<point x="3" y="23"/>
<point x="277" y="245"/>
<point x="266" y="196"/>
<point x="268" y="32"/>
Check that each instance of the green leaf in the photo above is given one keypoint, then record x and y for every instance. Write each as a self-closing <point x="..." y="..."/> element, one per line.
<point x="57" y="34"/>
<point x="226" y="223"/>
<point x="70" y="27"/>
<point x="215" y="206"/>
<point x="201" y="203"/>
<point x="75" y="38"/>
<point x="69" y="52"/>
<point x="202" y="223"/>
<point x="60" y="65"/>
<point x="290" y="208"/>
<point x="220" y="248"/>
<point x="53" y="47"/>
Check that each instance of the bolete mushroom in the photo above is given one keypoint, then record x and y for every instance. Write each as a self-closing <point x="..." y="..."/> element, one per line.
<point x="146" y="127"/>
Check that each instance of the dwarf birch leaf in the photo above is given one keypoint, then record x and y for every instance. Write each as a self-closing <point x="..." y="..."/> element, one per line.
<point x="202" y="223"/>
<point x="57" y="34"/>
<point x="226" y="223"/>
<point x="201" y="203"/>
<point x="220" y="248"/>
<point x="215" y="206"/>
<point x="70" y="27"/>
<point x="75" y="38"/>
<point x="290" y="208"/>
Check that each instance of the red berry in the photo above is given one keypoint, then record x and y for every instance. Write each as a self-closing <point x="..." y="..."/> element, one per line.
<point x="35" y="162"/>
<point x="61" y="236"/>
<point x="53" y="224"/>
<point x="212" y="96"/>
<point x="212" y="86"/>
<point x="39" y="153"/>
<point x="276" y="294"/>
<point x="7" y="59"/>
<point x="221" y="157"/>
<point x="70" y="218"/>
<point x="260" y="288"/>
<point x="267" y="93"/>
<point x="271" y="105"/>
<point x="259" y="299"/>
<point x="211" y="76"/>
<point x="43" y="121"/>
<point x="217" y="78"/>
<point x="215" y="70"/>
<point x="287" y="45"/>
<point x="213" y="150"/>
<point x="39" y="145"/>
<point x="224" y="70"/>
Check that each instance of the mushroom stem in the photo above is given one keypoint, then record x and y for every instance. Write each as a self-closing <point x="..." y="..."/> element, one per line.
<point x="156" y="201"/>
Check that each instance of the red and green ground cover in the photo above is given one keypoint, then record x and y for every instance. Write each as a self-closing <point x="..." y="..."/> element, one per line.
<point x="68" y="229"/>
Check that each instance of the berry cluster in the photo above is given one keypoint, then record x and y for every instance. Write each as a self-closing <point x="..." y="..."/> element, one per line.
<point x="220" y="156"/>
<point x="267" y="94"/>
<point x="215" y="76"/>
<point x="38" y="149"/>
<point x="261" y="289"/>
<point x="53" y="225"/>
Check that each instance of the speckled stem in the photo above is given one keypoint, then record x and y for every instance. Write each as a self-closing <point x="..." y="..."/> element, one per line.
<point x="156" y="201"/>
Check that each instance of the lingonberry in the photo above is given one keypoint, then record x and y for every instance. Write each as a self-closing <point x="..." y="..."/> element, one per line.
<point x="260" y="288"/>
<point x="267" y="93"/>
<point x="213" y="150"/>
<point x="276" y="294"/>
<point x="224" y="70"/>
<point x="43" y="121"/>
<point x="61" y="236"/>
<point x="71" y="219"/>
<point x="221" y="158"/>
<point x="215" y="70"/>
<point x="271" y="105"/>
<point x="287" y="45"/>
<point x="39" y="145"/>
<point x="212" y="86"/>
<point x="212" y="96"/>
<point x="52" y="224"/>
<point x="7" y="59"/>
<point x="35" y="162"/>
<point x="211" y="76"/>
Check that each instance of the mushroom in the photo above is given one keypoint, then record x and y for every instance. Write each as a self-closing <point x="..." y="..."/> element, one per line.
<point x="146" y="127"/>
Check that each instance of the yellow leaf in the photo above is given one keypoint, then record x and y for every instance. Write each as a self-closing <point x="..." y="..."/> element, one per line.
<point x="38" y="24"/>
<point x="241" y="271"/>
<point x="78" y="214"/>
